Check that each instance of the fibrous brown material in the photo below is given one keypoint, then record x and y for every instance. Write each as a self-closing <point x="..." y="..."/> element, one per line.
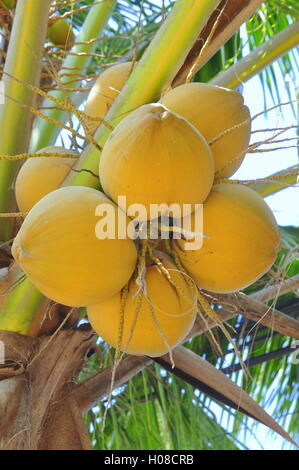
<point x="36" y="409"/>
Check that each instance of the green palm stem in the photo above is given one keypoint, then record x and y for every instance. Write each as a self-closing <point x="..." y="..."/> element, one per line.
<point x="157" y="68"/>
<point x="45" y="133"/>
<point x="23" y="61"/>
<point x="276" y="182"/>
<point x="20" y="307"/>
<point x="259" y="59"/>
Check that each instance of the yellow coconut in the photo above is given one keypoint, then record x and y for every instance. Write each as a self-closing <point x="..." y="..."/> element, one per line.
<point x="60" y="249"/>
<point x="106" y="88"/>
<point x="166" y="314"/>
<point x="60" y="32"/>
<point x="241" y="244"/>
<point x="156" y="157"/>
<point x="213" y="110"/>
<point x="41" y="175"/>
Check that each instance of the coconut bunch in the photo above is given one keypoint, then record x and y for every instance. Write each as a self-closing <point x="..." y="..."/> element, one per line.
<point x="179" y="153"/>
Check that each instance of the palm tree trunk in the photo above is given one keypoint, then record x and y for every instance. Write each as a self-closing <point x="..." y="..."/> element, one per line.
<point x="36" y="407"/>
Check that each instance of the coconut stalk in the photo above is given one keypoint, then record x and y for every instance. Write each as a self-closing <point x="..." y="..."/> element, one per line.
<point x="222" y="25"/>
<point x="259" y="59"/>
<point x="44" y="132"/>
<point x="274" y="183"/>
<point x="23" y="61"/>
<point x="20" y="307"/>
<point x="152" y="74"/>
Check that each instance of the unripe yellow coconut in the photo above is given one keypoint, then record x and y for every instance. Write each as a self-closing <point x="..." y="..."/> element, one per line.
<point x="60" y="32"/>
<point x="172" y="314"/>
<point x="213" y="110"/>
<point x="41" y="175"/>
<point x="241" y="244"/>
<point x="58" y="249"/>
<point x="156" y="157"/>
<point x="106" y="88"/>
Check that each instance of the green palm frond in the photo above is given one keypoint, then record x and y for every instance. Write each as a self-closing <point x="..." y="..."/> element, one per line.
<point x="157" y="411"/>
<point x="273" y="17"/>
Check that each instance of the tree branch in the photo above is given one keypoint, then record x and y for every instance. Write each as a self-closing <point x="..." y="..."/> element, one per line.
<point x="258" y="312"/>
<point x="88" y="393"/>
<point x="234" y="14"/>
<point x="278" y="289"/>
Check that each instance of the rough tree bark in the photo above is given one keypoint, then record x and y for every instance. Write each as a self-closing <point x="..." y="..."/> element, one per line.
<point x="36" y="409"/>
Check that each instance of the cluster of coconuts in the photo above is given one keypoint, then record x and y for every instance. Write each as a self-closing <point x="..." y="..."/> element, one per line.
<point x="166" y="152"/>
